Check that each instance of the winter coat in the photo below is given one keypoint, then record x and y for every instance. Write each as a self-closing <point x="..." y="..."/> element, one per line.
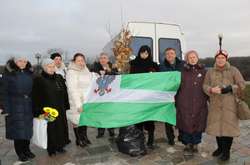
<point x="50" y="91"/>
<point x="166" y="66"/>
<point x="191" y="101"/>
<point x="62" y="70"/>
<point x="17" y="101"/>
<point x="78" y="82"/>
<point x="98" y="67"/>
<point x="222" y="115"/>
<point x="1" y="92"/>
<point x="140" y="65"/>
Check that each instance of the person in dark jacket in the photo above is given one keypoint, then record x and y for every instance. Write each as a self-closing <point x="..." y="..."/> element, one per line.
<point x="104" y="67"/>
<point x="191" y="103"/>
<point x="18" y="106"/>
<point x="171" y="63"/>
<point x="143" y="63"/>
<point x="60" y="66"/>
<point x="61" y="70"/>
<point x="49" y="90"/>
<point x="1" y="94"/>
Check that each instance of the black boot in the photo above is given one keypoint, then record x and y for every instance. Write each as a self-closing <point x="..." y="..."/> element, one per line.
<point x="67" y="131"/>
<point x="29" y="154"/>
<point x="195" y="148"/>
<point x="170" y="134"/>
<point x="27" y="151"/>
<point x="83" y="134"/>
<point x="51" y="152"/>
<point x="227" y="143"/>
<point x="100" y="133"/>
<point x="150" y="143"/>
<point x="20" y="148"/>
<point x="22" y="158"/>
<point x="218" y="151"/>
<point x="79" y="142"/>
<point x="111" y="132"/>
<point x="225" y="156"/>
<point x="187" y="151"/>
<point x="61" y="150"/>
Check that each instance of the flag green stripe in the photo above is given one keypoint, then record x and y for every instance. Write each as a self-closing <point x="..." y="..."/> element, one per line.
<point x="117" y="114"/>
<point x="161" y="81"/>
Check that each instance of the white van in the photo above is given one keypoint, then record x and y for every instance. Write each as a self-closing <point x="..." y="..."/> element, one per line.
<point x="158" y="36"/>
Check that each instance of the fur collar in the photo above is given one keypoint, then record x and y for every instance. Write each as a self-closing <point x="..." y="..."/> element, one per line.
<point x="12" y="68"/>
<point x="197" y="66"/>
<point x="226" y="67"/>
<point x="73" y="66"/>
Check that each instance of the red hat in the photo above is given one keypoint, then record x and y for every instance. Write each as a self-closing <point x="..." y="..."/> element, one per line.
<point x="221" y="52"/>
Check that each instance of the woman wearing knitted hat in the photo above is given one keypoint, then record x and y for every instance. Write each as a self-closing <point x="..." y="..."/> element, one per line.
<point x="221" y="84"/>
<point x="49" y="90"/>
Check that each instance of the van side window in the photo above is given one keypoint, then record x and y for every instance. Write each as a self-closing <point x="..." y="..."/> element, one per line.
<point x="137" y="42"/>
<point x="169" y="43"/>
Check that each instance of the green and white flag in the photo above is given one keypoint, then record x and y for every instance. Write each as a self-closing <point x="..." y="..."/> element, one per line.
<point x="122" y="100"/>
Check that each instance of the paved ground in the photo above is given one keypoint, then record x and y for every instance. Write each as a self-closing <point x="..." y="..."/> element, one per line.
<point x="104" y="151"/>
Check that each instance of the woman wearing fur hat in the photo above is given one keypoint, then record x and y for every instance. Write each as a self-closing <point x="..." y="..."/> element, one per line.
<point x="78" y="79"/>
<point x="49" y="90"/>
<point x="191" y="103"/>
<point x="221" y="84"/>
<point x="18" y="106"/>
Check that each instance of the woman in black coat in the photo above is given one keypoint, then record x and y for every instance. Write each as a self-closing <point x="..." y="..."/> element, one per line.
<point x="143" y="63"/>
<point x="49" y="90"/>
<point x="18" y="106"/>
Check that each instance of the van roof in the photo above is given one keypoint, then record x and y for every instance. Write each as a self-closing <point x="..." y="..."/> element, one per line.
<point x="160" y="23"/>
<point x="149" y="22"/>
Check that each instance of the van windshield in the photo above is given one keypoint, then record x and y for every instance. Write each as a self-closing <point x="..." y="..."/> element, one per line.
<point x="165" y="43"/>
<point x="137" y="42"/>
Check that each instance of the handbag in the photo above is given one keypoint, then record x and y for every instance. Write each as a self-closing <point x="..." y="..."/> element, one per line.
<point x="40" y="133"/>
<point x="243" y="111"/>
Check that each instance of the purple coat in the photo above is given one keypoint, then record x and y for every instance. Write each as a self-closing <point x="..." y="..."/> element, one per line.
<point x="191" y="101"/>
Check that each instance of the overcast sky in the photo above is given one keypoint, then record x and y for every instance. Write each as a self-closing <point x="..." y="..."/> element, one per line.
<point x="31" y="26"/>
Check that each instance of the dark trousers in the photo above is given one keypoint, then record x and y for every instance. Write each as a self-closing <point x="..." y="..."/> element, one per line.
<point x="82" y="130"/>
<point x="147" y="125"/>
<point x="150" y="127"/>
<point x="187" y="138"/>
<point x="224" y="143"/>
<point x="169" y="131"/>
<point x="21" y="146"/>
<point x="67" y="131"/>
<point x="102" y="130"/>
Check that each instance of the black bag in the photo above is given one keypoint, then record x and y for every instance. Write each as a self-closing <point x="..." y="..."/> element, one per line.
<point x="131" y="141"/>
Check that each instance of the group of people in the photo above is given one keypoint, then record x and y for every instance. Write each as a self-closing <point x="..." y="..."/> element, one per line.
<point x="205" y="100"/>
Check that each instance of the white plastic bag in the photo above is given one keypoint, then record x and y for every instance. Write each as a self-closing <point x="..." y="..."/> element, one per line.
<point x="40" y="133"/>
<point x="73" y="116"/>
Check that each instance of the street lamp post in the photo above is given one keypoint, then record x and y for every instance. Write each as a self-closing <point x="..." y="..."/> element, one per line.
<point x="38" y="57"/>
<point x="38" y="67"/>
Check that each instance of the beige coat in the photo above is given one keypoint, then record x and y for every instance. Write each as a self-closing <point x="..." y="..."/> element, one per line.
<point x="78" y="82"/>
<point x="222" y="118"/>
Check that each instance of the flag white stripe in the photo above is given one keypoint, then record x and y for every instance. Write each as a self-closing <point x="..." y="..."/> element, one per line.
<point x="136" y="96"/>
<point x="128" y="95"/>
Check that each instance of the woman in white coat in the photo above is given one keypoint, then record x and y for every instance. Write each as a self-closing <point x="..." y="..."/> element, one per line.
<point x="78" y="79"/>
